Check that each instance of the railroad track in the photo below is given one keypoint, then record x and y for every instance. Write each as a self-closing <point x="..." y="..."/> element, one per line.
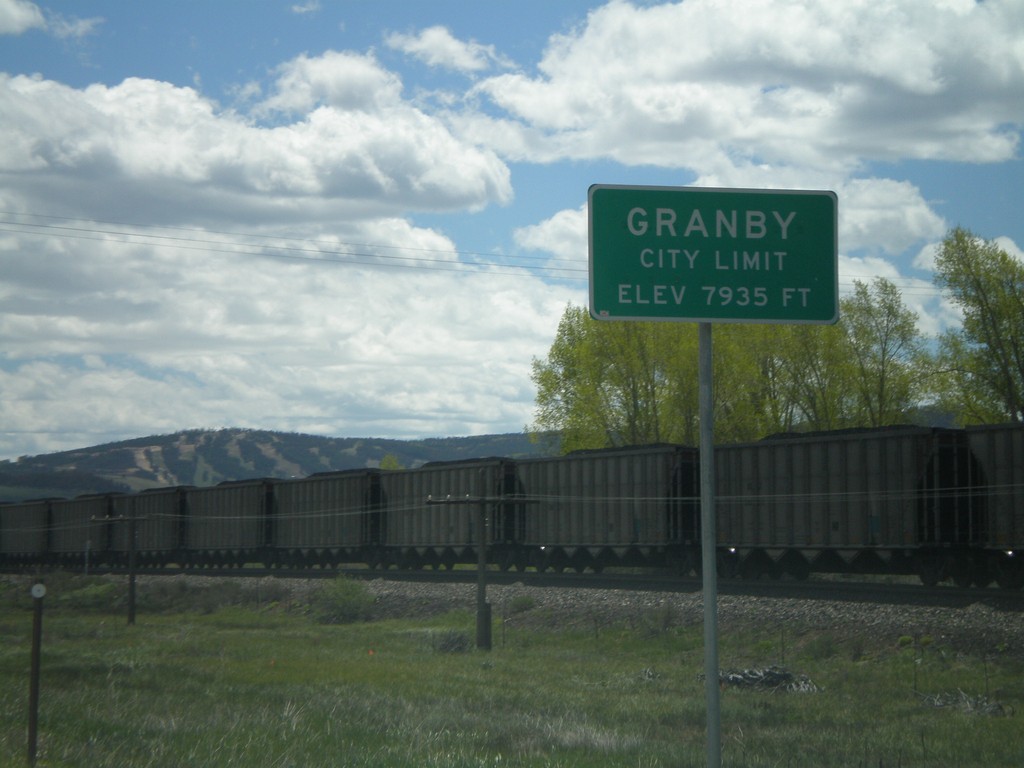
<point x="836" y="590"/>
<point x="811" y="589"/>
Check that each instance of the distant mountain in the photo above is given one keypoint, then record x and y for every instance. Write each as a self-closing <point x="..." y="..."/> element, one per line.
<point x="208" y="457"/>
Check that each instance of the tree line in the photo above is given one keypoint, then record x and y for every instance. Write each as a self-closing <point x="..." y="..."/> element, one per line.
<point x="608" y="384"/>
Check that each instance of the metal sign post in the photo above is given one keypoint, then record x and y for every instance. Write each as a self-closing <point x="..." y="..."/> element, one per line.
<point x="709" y="559"/>
<point x="712" y="255"/>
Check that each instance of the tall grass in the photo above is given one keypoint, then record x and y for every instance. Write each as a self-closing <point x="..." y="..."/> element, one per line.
<point x="268" y="684"/>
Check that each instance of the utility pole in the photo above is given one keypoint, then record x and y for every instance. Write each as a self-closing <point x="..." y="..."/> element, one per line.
<point x="483" y="608"/>
<point x="133" y="545"/>
<point x="133" y="535"/>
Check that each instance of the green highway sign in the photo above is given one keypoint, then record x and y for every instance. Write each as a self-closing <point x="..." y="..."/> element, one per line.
<point x="713" y="255"/>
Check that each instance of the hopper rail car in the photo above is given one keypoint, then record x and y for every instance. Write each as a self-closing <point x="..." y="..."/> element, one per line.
<point x="937" y="503"/>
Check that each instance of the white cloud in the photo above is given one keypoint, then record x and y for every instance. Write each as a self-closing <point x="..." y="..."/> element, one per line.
<point x="310" y="6"/>
<point x="18" y="16"/>
<point x="820" y="86"/>
<point x="281" y="273"/>
<point x="780" y="95"/>
<point x="925" y="258"/>
<point x="155" y="339"/>
<point x="885" y="215"/>
<point x="356" y="150"/>
<point x="1008" y="245"/>
<point x="328" y="311"/>
<point x="63" y="27"/>
<point x="437" y="47"/>
<point x="564" y="235"/>
<point x="341" y="80"/>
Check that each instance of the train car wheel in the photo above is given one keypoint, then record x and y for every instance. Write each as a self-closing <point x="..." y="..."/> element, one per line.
<point x="929" y="569"/>
<point x="728" y="565"/>
<point x="1008" y="570"/>
<point x="374" y="559"/>
<point x="796" y="565"/>
<point x="962" y="578"/>
<point x="505" y="561"/>
<point x="756" y="565"/>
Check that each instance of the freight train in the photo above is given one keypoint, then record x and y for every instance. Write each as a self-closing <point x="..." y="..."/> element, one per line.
<point x="938" y="503"/>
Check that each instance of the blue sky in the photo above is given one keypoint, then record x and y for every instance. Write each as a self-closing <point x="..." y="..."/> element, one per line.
<point x="366" y="218"/>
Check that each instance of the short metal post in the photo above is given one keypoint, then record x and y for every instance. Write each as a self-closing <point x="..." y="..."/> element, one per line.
<point x="38" y="592"/>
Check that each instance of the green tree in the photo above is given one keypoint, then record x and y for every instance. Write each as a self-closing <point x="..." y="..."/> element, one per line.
<point x="606" y="384"/>
<point x="984" y="359"/>
<point x="390" y="462"/>
<point x="569" y="396"/>
<point x="816" y="374"/>
<point x="749" y="372"/>
<point x="627" y="383"/>
<point x="886" y="350"/>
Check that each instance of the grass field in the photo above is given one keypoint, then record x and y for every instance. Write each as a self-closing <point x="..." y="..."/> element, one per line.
<point x="264" y="682"/>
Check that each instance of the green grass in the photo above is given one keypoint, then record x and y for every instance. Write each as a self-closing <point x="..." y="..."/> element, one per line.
<point x="268" y="684"/>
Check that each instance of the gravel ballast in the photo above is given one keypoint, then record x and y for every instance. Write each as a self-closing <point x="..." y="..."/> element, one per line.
<point x="977" y="628"/>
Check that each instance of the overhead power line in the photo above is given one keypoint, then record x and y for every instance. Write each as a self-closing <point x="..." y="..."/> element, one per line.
<point x="336" y="253"/>
<point x="292" y="248"/>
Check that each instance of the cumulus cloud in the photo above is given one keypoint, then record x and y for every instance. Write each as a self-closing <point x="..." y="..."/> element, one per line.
<point x="292" y="292"/>
<point x="782" y="95"/>
<point x="284" y="264"/>
<point x="18" y="16"/>
<point x="437" y="47"/>
<point x="818" y="86"/>
<point x="155" y="338"/>
<point x="356" y="149"/>
<point x="885" y="215"/>
<point x="349" y="82"/>
<point x="564" y="235"/>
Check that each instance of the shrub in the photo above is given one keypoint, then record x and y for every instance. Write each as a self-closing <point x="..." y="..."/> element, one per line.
<point x="179" y="594"/>
<point x="342" y="601"/>
<point x="822" y="647"/>
<point x="92" y="596"/>
<point x="657" y="621"/>
<point x="451" y="641"/>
